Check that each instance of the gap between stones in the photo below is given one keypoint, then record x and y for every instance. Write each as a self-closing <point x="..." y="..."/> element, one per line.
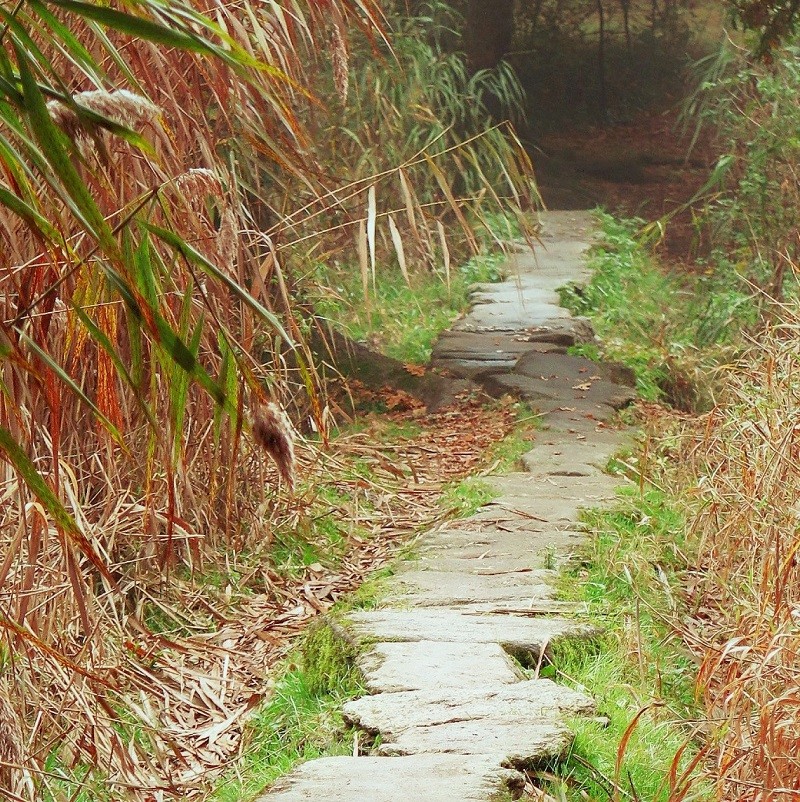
<point x="458" y="719"/>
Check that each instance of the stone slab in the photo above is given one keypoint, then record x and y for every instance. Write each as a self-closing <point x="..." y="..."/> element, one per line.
<point x="529" y="700"/>
<point x="573" y="369"/>
<point x="552" y="392"/>
<point x="517" y="744"/>
<point x="508" y="317"/>
<point x="560" y="331"/>
<point x="429" y="777"/>
<point x="479" y="344"/>
<point x="520" y="634"/>
<point x="520" y="293"/>
<point x="500" y="536"/>
<point x="566" y="455"/>
<point x="432" y="588"/>
<point x="435" y="665"/>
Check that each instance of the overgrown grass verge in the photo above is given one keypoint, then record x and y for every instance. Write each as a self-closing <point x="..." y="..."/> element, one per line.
<point x="668" y="329"/>
<point x="302" y="719"/>
<point x="628" y="576"/>
<point x="400" y="317"/>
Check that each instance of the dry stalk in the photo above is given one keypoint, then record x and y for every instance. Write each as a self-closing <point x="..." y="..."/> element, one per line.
<point x="746" y="591"/>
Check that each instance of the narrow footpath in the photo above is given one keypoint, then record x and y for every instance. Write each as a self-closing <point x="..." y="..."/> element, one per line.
<point x="444" y="659"/>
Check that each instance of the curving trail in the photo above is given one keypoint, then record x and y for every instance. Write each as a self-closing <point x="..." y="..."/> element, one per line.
<point x="457" y="715"/>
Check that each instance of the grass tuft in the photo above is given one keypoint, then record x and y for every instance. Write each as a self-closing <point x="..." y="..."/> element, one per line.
<point x="628" y="576"/>
<point x="302" y="719"/>
<point x="668" y="329"/>
<point x="398" y="318"/>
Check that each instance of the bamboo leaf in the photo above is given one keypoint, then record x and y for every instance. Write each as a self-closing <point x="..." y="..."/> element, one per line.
<point x="195" y="257"/>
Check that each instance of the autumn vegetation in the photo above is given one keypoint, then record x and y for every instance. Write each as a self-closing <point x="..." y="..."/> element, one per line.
<point x="183" y="190"/>
<point x="169" y="174"/>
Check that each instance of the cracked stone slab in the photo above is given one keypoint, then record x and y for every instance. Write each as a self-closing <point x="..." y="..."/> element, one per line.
<point x="568" y="456"/>
<point x="517" y="293"/>
<point x="574" y="369"/>
<point x="435" y="665"/>
<point x="429" y="777"/>
<point x="508" y="316"/>
<point x="550" y="392"/>
<point x="431" y="587"/>
<point x="560" y="331"/>
<point x="457" y="358"/>
<point x="517" y="633"/>
<point x="522" y="487"/>
<point x="518" y="744"/>
<point x="502" y="542"/>
<point x="484" y="562"/>
<point x="529" y="700"/>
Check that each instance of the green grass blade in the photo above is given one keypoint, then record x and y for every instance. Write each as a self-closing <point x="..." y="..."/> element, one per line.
<point x="193" y="256"/>
<point x="54" y="145"/>
<point x="73" y="386"/>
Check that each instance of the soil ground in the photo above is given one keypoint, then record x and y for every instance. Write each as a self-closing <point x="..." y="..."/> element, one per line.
<point x="640" y="168"/>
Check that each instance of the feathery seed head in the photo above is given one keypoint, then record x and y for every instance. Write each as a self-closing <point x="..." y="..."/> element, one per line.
<point x="274" y="432"/>
<point x="120" y="106"/>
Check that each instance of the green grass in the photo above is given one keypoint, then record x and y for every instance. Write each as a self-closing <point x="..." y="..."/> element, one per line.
<point x="628" y="576"/>
<point x="505" y="455"/>
<point x="400" y="320"/>
<point x="467" y="496"/>
<point x="667" y="328"/>
<point x="302" y="720"/>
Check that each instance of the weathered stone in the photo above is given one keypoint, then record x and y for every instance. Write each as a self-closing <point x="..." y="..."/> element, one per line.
<point x="521" y="545"/>
<point x="558" y="454"/>
<point x="564" y="332"/>
<point x="574" y="369"/>
<point x="429" y="777"/>
<point x="447" y="588"/>
<point x="435" y="665"/>
<point x="508" y="317"/>
<point x="449" y="703"/>
<point x="517" y="744"/>
<point x="550" y="392"/>
<point x="519" y="633"/>
<point x="529" y="700"/>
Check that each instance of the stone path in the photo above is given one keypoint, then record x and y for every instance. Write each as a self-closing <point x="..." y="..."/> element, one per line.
<point x="459" y="717"/>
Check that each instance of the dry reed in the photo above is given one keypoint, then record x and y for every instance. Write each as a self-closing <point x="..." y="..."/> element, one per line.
<point x="744" y="597"/>
<point x="134" y="322"/>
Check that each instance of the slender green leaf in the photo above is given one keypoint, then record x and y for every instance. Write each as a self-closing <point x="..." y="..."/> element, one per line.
<point x="55" y="147"/>
<point x="193" y="256"/>
<point x="72" y="385"/>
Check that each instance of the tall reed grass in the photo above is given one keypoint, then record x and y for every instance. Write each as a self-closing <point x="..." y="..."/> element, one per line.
<point x="740" y="462"/>
<point x="161" y="168"/>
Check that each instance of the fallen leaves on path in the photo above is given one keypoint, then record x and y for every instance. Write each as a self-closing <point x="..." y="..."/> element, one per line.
<point x="194" y="691"/>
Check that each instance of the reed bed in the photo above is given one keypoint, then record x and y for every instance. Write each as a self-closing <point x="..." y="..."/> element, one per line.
<point x="164" y="177"/>
<point x="743" y="595"/>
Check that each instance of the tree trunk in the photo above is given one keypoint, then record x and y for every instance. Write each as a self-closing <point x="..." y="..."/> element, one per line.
<point x="601" y="62"/>
<point x="490" y="26"/>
